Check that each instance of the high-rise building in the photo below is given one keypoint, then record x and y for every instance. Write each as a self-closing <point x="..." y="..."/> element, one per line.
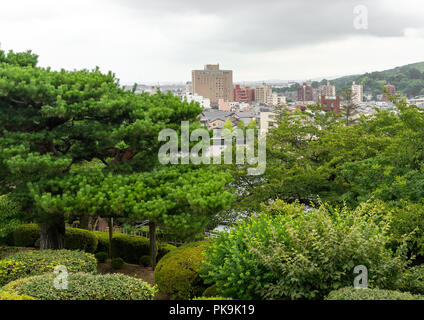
<point x="244" y="94"/>
<point x="327" y="90"/>
<point x="357" y="93"/>
<point x="305" y="93"/>
<point x="263" y="94"/>
<point x="391" y="89"/>
<point x="213" y="83"/>
<point x="330" y="103"/>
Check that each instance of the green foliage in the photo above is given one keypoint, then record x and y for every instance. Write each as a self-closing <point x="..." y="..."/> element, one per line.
<point x="84" y="287"/>
<point x="79" y="239"/>
<point x="101" y="256"/>
<point x="34" y="262"/>
<point x="102" y="241"/>
<point x="351" y="293"/>
<point x="177" y="274"/>
<point x="145" y="261"/>
<point x="211" y="298"/>
<point x="9" y="216"/>
<point x="287" y="253"/>
<point x="413" y="280"/>
<point x="13" y="296"/>
<point x="26" y="235"/>
<point x="210" y="292"/>
<point x="117" y="263"/>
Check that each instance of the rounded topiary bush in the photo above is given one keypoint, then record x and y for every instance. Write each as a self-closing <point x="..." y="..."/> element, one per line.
<point x="26" y="235"/>
<point x="351" y="293"/>
<point x="101" y="256"/>
<point x="117" y="263"/>
<point x="13" y="296"/>
<point x="79" y="239"/>
<point x="83" y="286"/>
<point x="35" y="262"/>
<point x="177" y="273"/>
<point x="145" y="261"/>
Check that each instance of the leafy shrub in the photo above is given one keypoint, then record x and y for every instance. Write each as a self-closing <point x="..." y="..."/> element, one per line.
<point x="83" y="286"/>
<point x="26" y="235"/>
<point x="35" y="262"/>
<point x="210" y="292"/>
<point x="117" y="263"/>
<point x="9" y="219"/>
<point x="79" y="239"/>
<point x="145" y="261"/>
<point x="13" y="296"/>
<point x="211" y="298"/>
<point x="131" y="248"/>
<point x="288" y="253"/>
<point x="102" y="241"/>
<point x="351" y="293"/>
<point x="177" y="273"/>
<point x="101" y="256"/>
<point x="413" y="280"/>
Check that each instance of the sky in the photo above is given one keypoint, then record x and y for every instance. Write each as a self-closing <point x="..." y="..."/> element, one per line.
<point x="160" y="41"/>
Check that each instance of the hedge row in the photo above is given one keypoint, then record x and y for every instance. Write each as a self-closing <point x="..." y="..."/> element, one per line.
<point x="83" y="286"/>
<point x="128" y="247"/>
<point x="13" y="296"/>
<point x="371" y="294"/>
<point x="35" y="262"/>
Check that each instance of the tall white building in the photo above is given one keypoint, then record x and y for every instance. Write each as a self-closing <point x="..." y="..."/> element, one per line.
<point x="327" y="90"/>
<point x="205" y="103"/>
<point x="357" y="93"/>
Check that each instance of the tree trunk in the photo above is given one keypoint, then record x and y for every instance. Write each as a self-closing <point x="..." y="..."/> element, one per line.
<point x="153" y="245"/>
<point x="110" y="236"/>
<point x="85" y="222"/>
<point x="52" y="233"/>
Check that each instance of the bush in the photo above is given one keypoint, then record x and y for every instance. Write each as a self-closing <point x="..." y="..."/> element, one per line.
<point x="26" y="235"/>
<point x="79" y="239"/>
<point x="13" y="296"/>
<point x="351" y="293"/>
<point x="9" y="217"/>
<point x="131" y="248"/>
<point x="288" y="253"/>
<point x="83" y="286"/>
<point x="177" y="273"/>
<point x="145" y="261"/>
<point x="102" y="241"/>
<point x="413" y="280"/>
<point x="117" y="263"/>
<point x="211" y="298"/>
<point x="101" y="256"/>
<point x="35" y="262"/>
<point x="210" y="292"/>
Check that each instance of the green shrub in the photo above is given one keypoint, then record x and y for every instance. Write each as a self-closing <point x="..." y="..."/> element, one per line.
<point x="13" y="296"/>
<point x="79" y="239"/>
<point x="26" y="235"/>
<point x="211" y="298"/>
<point x="413" y="280"/>
<point x="210" y="292"/>
<point x="351" y="293"/>
<point x="102" y="241"/>
<point x="101" y="256"/>
<point x="288" y="253"/>
<point x="177" y="273"/>
<point x="9" y="218"/>
<point x="145" y="261"/>
<point x="35" y="262"/>
<point x="117" y="263"/>
<point x="83" y="286"/>
<point x="131" y="248"/>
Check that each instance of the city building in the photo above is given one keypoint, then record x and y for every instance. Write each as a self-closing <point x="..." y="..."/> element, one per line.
<point x="278" y="100"/>
<point x="330" y="103"/>
<point x="391" y="90"/>
<point x="357" y="93"/>
<point x="244" y="94"/>
<point x="263" y="94"/>
<point x="305" y="93"/>
<point x="327" y="90"/>
<point x="205" y="103"/>
<point x="213" y="83"/>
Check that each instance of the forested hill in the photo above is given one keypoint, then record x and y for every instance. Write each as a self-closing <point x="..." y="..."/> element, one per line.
<point x="408" y="79"/>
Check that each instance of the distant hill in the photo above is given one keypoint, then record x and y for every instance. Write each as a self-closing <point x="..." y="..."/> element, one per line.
<point x="408" y="79"/>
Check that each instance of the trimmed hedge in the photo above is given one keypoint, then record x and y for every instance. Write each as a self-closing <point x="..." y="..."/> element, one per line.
<point x="13" y="296"/>
<point x="131" y="248"/>
<point x="82" y="286"/>
<point x="351" y="293"/>
<point x="102" y="241"/>
<point x="177" y="273"/>
<point x="79" y="239"/>
<point x="35" y="262"/>
<point x="117" y="263"/>
<point x="101" y="256"/>
<point x="26" y="235"/>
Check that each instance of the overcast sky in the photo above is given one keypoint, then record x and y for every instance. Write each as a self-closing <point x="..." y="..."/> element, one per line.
<point x="163" y="40"/>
